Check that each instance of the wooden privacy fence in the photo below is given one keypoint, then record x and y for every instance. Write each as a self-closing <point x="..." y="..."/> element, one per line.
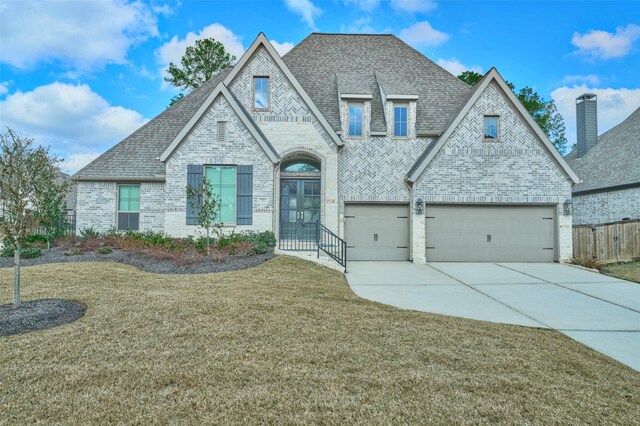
<point x="608" y="242"/>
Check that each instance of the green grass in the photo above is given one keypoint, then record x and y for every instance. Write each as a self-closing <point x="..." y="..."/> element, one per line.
<point x="287" y="342"/>
<point x="626" y="270"/>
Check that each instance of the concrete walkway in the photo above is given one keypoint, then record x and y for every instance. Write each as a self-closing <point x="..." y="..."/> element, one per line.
<point x="600" y="311"/>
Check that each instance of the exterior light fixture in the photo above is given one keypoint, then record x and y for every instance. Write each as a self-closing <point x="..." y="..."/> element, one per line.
<point x="419" y="206"/>
<point x="567" y="207"/>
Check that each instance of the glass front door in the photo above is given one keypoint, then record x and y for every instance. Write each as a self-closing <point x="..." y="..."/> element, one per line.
<point x="299" y="213"/>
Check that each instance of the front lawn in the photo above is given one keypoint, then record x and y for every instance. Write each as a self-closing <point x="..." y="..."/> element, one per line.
<point x="287" y="342"/>
<point x="625" y="271"/>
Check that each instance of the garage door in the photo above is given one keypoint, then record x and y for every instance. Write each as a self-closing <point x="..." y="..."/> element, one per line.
<point x="490" y="233"/>
<point x="377" y="231"/>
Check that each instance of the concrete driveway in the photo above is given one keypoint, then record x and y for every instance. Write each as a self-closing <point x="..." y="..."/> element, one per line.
<point x="600" y="311"/>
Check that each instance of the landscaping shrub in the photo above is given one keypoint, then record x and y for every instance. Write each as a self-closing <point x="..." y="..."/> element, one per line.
<point x="35" y="240"/>
<point x="25" y="252"/>
<point x="241" y="249"/>
<point x="75" y="251"/>
<point x="89" y="233"/>
<point x="586" y="262"/>
<point x="104" y="250"/>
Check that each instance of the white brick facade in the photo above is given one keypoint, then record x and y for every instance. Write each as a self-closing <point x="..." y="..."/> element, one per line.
<point x="515" y="170"/>
<point x="603" y="207"/>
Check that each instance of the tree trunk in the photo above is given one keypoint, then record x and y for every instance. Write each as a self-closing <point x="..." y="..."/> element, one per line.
<point x="16" y="275"/>
<point x="208" y="242"/>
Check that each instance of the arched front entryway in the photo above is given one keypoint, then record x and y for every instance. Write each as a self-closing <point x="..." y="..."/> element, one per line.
<point x="300" y="202"/>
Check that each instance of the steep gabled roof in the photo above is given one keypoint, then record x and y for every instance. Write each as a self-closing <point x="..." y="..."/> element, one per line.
<point x="221" y="90"/>
<point x="261" y="40"/>
<point x="137" y="157"/>
<point x="319" y="58"/>
<point x="614" y="161"/>
<point x="476" y="91"/>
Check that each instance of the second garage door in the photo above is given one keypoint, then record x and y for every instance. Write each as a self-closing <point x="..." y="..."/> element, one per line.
<point x="377" y="231"/>
<point x="490" y="233"/>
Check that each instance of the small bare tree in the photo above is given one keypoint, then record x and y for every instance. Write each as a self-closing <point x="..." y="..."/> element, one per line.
<point x="207" y="204"/>
<point x="27" y="173"/>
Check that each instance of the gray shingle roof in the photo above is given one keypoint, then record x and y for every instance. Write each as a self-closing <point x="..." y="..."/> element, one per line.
<point x="136" y="157"/>
<point x="317" y="59"/>
<point x="361" y="62"/>
<point x="613" y="161"/>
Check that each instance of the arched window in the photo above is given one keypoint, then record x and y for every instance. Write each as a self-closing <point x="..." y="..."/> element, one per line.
<point x="301" y="165"/>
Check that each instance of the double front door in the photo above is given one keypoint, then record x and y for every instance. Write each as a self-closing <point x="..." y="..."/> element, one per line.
<point x="299" y="213"/>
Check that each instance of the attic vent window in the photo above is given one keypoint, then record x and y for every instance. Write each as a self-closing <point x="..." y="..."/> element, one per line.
<point x="491" y="128"/>
<point x="222" y="132"/>
<point x="261" y="93"/>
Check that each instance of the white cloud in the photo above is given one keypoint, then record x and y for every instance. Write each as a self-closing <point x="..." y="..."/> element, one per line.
<point x="307" y="10"/>
<point x="281" y="48"/>
<point x="586" y="79"/>
<point x="455" y="67"/>
<point x="413" y="6"/>
<point x="174" y="49"/>
<point x="366" y="5"/>
<point x="70" y="118"/>
<point x="74" y="162"/>
<point x="4" y="87"/>
<point x="359" y="26"/>
<point x="614" y="105"/>
<point x="422" y="34"/>
<point x="598" y="44"/>
<point x="81" y="35"/>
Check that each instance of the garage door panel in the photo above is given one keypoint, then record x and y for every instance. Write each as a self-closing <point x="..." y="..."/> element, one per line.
<point x="490" y="233"/>
<point x="377" y="231"/>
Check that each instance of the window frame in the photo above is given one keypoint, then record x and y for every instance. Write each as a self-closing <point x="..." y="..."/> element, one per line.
<point x="235" y="186"/>
<point x="484" y="128"/>
<point x="361" y="106"/>
<point x="253" y="92"/>
<point x="406" y="122"/>
<point x="118" y="211"/>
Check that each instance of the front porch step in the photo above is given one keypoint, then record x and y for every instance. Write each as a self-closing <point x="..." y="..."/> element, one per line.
<point x="324" y="260"/>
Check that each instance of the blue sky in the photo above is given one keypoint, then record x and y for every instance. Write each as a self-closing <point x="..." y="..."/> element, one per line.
<point x="81" y="75"/>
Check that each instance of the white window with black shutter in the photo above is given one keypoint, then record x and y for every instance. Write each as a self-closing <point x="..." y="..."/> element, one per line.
<point x="128" y="207"/>
<point x="232" y="185"/>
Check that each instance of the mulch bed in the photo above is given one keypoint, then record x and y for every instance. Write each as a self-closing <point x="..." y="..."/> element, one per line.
<point x="147" y="263"/>
<point x="37" y="315"/>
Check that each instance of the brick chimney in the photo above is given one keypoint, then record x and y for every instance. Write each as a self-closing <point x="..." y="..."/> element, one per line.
<point x="586" y="122"/>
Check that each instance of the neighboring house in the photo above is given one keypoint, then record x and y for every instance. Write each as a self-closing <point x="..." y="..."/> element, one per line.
<point x="608" y="167"/>
<point x="361" y="132"/>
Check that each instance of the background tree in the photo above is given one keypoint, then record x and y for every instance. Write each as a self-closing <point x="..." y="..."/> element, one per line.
<point x="27" y="173"/>
<point x="51" y="210"/>
<point x="206" y="203"/>
<point x="199" y="63"/>
<point x="543" y="111"/>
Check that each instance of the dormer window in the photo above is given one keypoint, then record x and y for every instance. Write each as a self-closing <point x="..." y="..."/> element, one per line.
<point x="491" y="130"/>
<point x="355" y="119"/>
<point x="261" y="93"/>
<point x="400" y="120"/>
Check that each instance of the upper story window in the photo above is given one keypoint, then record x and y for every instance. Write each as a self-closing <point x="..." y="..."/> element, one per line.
<point x="400" y="120"/>
<point x="355" y="119"/>
<point x="491" y="128"/>
<point x="261" y="92"/>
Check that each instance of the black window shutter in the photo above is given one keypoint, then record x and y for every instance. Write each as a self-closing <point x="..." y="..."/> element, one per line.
<point x="244" y="195"/>
<point x="194" y="180"/>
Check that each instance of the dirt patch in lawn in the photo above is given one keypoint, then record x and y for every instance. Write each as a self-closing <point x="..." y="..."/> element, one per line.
<point x="287" y="342"/>
<point x="158" y="265"/>
<point x="35" y="315"/>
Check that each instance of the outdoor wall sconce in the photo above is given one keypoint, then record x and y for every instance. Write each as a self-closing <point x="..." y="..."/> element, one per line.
<point x="419" y="206"/>
<point x="567" y="207"/>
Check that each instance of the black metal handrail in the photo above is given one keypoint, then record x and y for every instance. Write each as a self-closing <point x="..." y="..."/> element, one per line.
<point x="334" y="246"/>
